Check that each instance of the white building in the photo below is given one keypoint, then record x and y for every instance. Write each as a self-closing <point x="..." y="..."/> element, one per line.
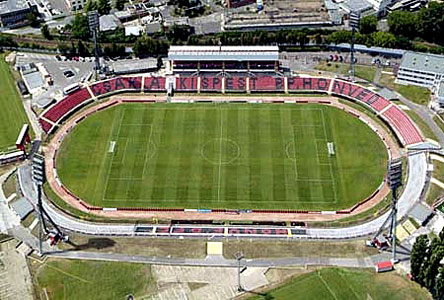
<point x="75" y="5"/>
<point x="421" y="69"/>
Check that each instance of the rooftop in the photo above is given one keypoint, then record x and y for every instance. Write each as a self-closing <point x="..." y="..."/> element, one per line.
<point x="425" y="62"/>
<point x="9" y="6"/>
<point x="109" y="23"/>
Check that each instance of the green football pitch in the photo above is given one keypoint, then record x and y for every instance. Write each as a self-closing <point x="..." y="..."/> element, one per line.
<point x="239" y="156"/>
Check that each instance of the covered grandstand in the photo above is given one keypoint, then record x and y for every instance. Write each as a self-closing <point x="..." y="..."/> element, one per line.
<point x="230" y="59"/>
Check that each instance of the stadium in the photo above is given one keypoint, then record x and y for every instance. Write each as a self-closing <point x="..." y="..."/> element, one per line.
<point x="236" y="143"/>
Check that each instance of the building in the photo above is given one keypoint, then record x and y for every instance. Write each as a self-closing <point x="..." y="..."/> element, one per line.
<point x="439" y="94"/>
<point x="75" y="5"/>
<point x="421" y="69"/>
<point x="108" y="23"/>
<point x="224" y="58"/>
<point x="13" y="13"/>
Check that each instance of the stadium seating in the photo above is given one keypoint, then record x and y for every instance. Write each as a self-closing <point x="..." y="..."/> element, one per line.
<point x="403" y="125"/>
<point x="266" y="84"/>
<point x="358" y="93"/>
<point x="313" y="84"/>
<point x="211" y="84"/>
<point x="186" y="84"/>
<point x="45" y="125"/>
<point x="67" y="104"/>
<point x="154" y="84"/>
<point x="115" y="84"/>
<point x="233" y="84"/>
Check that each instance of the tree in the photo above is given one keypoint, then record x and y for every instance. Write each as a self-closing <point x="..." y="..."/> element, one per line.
<point x="368" y="24"/>
<point x="383" y="39"/>
<point x="103" y="7"/>
<point x="340" y="36"/>
<point x="32" y="19"/>
<point x="119" y="4"/>
<point x="417" y="262"/>
<point x="80" y="27"/>
<point x="146" y="46"/>
<point x="431" y="21"/>
<point x="82" y="50"/>
<point x="45" y="32"/>
<point x="90" y="5"/>
<point x="403" y="23"/>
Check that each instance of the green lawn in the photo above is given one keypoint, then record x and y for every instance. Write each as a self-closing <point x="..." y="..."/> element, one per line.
<point x="340" y="283"/>
<point x="76" y="279"/>
<point x="365" y="72"/>
<point x="222" y="156"/>
<point x="12" y="113"/>
<point x="416" y="94"/>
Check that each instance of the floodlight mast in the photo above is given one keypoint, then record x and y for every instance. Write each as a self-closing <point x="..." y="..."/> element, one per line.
<point x="394" y="180"/>
<point x="39" y="178"/>
<point x="354" y="24"/>
<point x="94" y="25"/>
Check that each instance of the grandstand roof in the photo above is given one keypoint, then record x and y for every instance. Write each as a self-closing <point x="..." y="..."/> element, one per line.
<point x="223" y="53"/>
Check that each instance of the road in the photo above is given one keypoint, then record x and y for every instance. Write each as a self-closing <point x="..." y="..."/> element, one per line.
<point x="219" y="261"/>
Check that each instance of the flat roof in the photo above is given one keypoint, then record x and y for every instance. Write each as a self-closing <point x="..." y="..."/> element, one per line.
<point x="425" y="62"/>
<point x="9" y="6"/>
<point x="220" y="53"/>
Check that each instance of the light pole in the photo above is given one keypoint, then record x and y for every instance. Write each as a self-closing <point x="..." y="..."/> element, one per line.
<point x="93" y="22"/>
<point x="38" y="176"/>
<point x="239" y="256"/>
<point x="354" y="24"/>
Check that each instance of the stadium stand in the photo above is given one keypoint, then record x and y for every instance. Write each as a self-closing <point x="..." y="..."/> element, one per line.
<point x="235" y="84"/>
<point x="266" y="84"/>
<point x="403" y="125"/>
<point x="308" y="84"/>
<point x="154" y="84"/>
<point x="213" y="84"/>
<point x="132" y="84"/>
<point x="186" y="84"/>
<point x="358" y="93"/>
<point x="45" y="125"/>
<point x="65" y="105"/>
<point x="404" y="128"/>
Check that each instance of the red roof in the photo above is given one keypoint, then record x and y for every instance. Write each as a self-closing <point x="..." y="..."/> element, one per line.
<point x="384" y="265"/>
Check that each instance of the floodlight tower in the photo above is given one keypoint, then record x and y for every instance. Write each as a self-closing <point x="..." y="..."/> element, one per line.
<point x="93" y="22"/>
<point x="394" y="177"/>
<point x="39" y="178"/>
<point x="394" y="180"/>
<point x="239" y="256"/>
<point x="354" y="24"/>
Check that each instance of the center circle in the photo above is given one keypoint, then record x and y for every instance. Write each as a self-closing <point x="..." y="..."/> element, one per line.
<point x="220" y="151"/>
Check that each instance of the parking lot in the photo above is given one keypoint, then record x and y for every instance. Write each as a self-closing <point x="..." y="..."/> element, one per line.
<point x="63" y="73"/>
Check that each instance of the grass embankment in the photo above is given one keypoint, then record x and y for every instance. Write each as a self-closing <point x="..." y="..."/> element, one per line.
<point x="10" y="185"/>
<point x="365" y="72"/>
<point x="296" y="248"/>
<point x="12" y="113"/>
<point x="435" y="191"/>
<point x="341" y="283"/>
<point x="416" y="94"/>
<point x="77" y="279"/>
